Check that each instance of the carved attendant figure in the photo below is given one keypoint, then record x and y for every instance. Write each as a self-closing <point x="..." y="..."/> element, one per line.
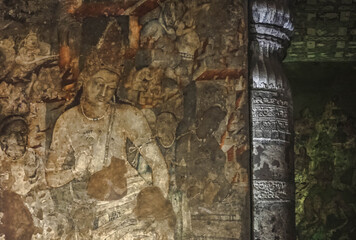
<point x="88" y="161"/>
<point x="20" y="172"/>
<point x="31" y="54"/>
<point x="20" y="169"/>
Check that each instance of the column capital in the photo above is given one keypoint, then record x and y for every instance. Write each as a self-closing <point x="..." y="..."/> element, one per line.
<point x="271" y="26"/>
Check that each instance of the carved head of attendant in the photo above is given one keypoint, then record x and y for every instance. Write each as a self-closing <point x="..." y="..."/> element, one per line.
<point x="209" y="122"/>
<point x="13" y="136"/>
<point x="31" y="41"/>
<point x="166" y="129"/>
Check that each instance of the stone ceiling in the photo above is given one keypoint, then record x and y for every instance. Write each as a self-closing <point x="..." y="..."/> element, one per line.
<point x="325" y="30"/>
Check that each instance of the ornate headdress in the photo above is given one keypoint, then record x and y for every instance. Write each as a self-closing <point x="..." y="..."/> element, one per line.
<point x="108" y="53"/>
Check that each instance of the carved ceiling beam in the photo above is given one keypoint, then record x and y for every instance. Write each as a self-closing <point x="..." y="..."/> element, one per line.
<point x="271" y="106"/>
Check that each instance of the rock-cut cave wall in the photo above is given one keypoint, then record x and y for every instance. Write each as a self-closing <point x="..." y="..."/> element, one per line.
<point x="124" y="120"/>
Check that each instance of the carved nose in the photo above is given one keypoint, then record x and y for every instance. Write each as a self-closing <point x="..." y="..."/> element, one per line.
<point x="103" y="91"/>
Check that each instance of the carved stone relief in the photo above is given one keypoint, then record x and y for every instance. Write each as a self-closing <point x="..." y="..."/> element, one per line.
<point x="271" y="116"/>
<point x="120" y="124"/>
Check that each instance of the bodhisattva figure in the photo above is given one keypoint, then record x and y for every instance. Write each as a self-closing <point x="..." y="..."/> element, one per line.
<point x="93" y="182"/>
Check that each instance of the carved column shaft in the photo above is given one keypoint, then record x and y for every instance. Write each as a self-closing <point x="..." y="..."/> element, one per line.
<point x="271" y="107"/>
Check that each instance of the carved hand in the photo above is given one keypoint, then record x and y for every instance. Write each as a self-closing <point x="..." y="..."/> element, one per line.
<point x="82" y="159"/>
<point x="80" y="167"/>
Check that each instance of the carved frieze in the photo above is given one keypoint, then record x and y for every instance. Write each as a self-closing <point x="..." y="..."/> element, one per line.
<point x="272" y="190"/>
<point x="270" y="112"/>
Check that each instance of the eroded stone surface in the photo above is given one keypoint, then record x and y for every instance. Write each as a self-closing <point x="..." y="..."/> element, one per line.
<point x="129" y="131"/>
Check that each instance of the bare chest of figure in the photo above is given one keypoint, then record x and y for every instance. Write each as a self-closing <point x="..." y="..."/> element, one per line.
<point x="97" y="141"/>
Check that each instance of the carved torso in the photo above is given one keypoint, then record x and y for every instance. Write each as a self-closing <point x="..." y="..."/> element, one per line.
<point x="74" y="135"/>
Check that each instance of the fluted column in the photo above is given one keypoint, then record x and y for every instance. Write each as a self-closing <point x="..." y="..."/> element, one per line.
<point x="271" y="108"/>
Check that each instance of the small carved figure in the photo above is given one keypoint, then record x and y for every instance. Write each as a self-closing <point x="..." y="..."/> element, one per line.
<point x="172" y="40"/>
<point x="13" y="136"/>
<point x="21" y="174"/>
<point x="23" y="170"/>
<point x="305" y="126"/>
<point x="32" y="53"/>
<point x="172" y="12"/>
<point x="166" y="128"/>
<point x="145" y="87"/>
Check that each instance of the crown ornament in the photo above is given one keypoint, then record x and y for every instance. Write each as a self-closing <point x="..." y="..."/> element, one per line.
<point x="109" y="53"/>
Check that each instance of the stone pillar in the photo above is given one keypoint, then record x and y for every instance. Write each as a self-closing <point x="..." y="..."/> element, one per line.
<point x="271" y="112"/>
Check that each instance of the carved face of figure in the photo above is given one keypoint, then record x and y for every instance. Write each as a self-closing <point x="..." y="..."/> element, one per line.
<point x="31" y="41"/>
<point x="210" y="122"/>
<point x="148" y="82"/>
<point x="166" y="129"/>
<point x="172" y="12"/>
<point x="100" y="88"/>
<point x="13" y="138"/>
<point x="153" y="94"/>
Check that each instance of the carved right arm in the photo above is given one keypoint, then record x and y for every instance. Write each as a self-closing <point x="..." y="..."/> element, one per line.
<point x="56" y="176"/>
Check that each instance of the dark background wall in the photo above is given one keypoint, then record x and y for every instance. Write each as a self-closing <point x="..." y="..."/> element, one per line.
<point x="315" y="83"/>
<point x="324" y="98"/>
<point x="321" y="68"/>
<point x="324" y="30"/>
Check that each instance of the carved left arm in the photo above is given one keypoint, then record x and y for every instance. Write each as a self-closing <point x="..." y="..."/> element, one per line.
<point x="153" y="156"/>
<point x="140" y="134"/>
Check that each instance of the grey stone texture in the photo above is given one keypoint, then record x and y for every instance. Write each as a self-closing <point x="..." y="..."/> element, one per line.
<point x="271" y="115"/>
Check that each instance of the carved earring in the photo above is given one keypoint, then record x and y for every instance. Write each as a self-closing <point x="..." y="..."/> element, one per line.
<point x="114" y="98"/>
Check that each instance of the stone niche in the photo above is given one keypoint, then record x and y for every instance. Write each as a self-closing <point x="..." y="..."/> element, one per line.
<point x="124" y="120"/>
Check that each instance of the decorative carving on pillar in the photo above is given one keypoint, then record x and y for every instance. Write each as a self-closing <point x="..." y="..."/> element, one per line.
<point x="271" y="107"/>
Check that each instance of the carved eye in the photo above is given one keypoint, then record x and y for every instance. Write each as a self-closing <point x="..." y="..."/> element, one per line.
<point x="3" y="140"/>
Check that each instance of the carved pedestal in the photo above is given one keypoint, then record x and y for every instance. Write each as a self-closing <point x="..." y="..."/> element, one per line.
<point x="271" y="108"/>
